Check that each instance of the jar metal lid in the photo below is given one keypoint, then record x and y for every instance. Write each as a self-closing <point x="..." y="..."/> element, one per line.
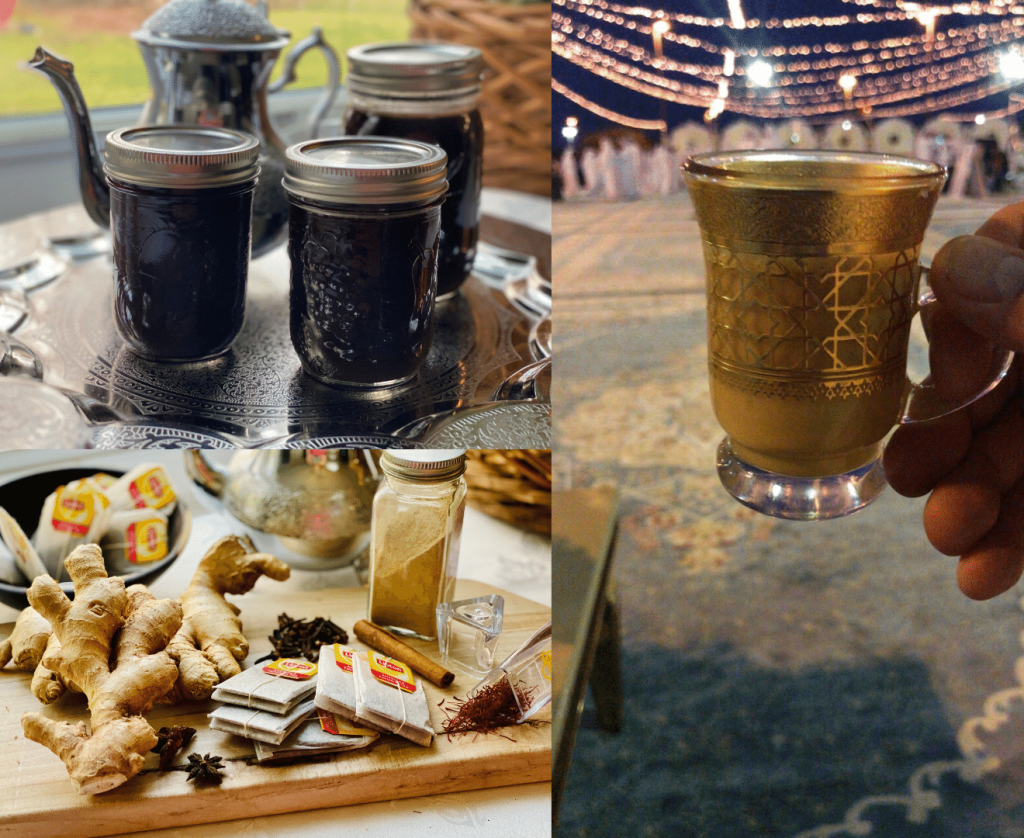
<point x="429" y="465"/>
<point x="222" y="25"/>
<point x="414" y="68"/>
<point x="181" y="156"/>
<point x="366" y="170"/>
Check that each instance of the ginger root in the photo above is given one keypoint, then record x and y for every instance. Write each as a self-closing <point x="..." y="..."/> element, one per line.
<point x="120" y="737"/>
<point x="209" y="645"/>
<point x="27" y="642"/>
<point x="27" y="646"/>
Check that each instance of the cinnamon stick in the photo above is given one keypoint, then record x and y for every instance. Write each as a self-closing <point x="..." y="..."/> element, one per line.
<point x="384" y="641"/>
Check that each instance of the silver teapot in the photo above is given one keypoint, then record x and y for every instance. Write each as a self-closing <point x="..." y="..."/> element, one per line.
<point x="317" y="502"/>
<point x="209" y="63"/>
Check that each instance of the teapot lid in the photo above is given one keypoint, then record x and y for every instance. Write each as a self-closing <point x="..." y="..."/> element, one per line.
<point x="231" y="25"/>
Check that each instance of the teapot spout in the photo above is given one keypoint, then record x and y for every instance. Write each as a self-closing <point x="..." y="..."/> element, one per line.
<point x="91" y="181"/>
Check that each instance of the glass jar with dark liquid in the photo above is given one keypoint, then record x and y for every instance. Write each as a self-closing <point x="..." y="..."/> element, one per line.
<point x="364" y="220"/>
<point x="180" y="215"/>
<point x="428" y="92"/>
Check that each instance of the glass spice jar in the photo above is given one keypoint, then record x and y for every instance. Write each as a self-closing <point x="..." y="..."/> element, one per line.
<point x="180" y="216"/>
<point x="415" y="534"/>
<point x="364" y="218"/>
<point x="428" y="92"/>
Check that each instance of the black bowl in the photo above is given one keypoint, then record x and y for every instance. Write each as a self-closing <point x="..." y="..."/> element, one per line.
<point x="24" y="498"/>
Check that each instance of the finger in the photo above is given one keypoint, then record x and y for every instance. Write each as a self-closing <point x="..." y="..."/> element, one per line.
<point x="917" y="456"/>
<point x="996" y="563"/>
<point x="966" y="504"/>
<point x="980" y="281"/>
<point x="960" y="360"/>
<point x="1006" y="225"/>
<point x="984" y="410"/>
<point x="962" y="508"/>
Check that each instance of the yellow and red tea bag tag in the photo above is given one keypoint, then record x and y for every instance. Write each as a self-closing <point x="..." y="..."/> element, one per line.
<point x="345" y="658"/>
<point x="335" y="724"/>
<point x="391" y="672"/>
<point x="146" y="541"/>
<point x="291" y="668"/>
<point x="75" y="509"/>
<point x="151" y="489"/>
<point x="330" y="722"/>
<point x="545" y="665"/>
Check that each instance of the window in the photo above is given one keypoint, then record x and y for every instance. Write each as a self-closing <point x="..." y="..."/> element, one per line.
<point x="95" y="35"/>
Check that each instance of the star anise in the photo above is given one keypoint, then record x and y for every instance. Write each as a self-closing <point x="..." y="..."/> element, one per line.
<point x="170" y="740"/>
<point x="205" y="768"/>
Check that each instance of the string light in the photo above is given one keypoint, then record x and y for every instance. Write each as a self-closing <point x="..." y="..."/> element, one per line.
<point x="593" y="107"/>
<point x="872" y="58"/>
<point x="760" y="73"/>
<point x="894" y="75"/>
<point x="1011" y="65"/>
<point x="736" y="17"/>
<point x="803" y="94"/>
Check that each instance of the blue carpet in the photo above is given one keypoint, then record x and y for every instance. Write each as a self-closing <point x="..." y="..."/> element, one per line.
<point x="715" y="746"/>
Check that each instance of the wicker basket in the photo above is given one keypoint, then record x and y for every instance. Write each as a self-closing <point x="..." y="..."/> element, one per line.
<point x="515" y="102"/>
<point x="513" y="485"/>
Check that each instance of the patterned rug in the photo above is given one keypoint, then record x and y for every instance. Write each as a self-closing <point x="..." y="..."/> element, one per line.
<point x="781" y="678"/>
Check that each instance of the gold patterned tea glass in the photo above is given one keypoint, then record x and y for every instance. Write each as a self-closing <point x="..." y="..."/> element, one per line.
<point x="812" y="283"/>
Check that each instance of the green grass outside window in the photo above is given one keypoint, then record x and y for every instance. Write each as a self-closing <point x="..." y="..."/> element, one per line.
<point x="96" y="37"/>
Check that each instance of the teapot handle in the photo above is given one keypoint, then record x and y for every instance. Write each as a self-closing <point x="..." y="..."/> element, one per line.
<point x="314" y="40"/>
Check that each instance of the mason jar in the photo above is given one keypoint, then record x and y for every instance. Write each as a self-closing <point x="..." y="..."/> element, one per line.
<point x="181" y="217"/>
<point x="428" y="92"/>
<point x="363" y="223"/>
<point x="416" y="529"/>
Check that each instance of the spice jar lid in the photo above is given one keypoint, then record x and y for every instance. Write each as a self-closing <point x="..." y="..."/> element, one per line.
<point x="366" y="170"/>
<point x="428" y="465"/>
<point x="173" y="156"/>
<point x="414" y="68"/>
<point x="222" y="25"/>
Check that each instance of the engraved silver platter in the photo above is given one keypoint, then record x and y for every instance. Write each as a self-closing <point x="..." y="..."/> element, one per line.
<point x="256" y="395"/>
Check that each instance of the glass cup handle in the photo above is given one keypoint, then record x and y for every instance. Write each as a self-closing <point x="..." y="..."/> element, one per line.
<point x="923" y="402"/>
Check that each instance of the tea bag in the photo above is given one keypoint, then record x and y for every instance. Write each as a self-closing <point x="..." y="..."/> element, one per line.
<point x="146" y="485"/>
<point x="75" y="514"/>
<point x="391" y="697"/>
<point x="259" y="690"/>
<point x="260" y="725"/>
<point x="336" y="687"/>
<point x="321" y="733"/>
<point x="99" y="482"/>
<point x="133" y="538"/>
<point x="9" y="571"/>
<point x="25" y="556"/>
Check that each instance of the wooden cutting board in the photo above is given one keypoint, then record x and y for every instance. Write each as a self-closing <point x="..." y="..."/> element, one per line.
<point x="39" y="799"/>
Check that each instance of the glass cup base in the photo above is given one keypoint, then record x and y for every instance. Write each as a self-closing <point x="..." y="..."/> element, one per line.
<point x="799" y="498"/>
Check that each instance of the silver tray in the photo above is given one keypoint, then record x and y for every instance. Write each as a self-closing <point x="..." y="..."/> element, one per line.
<point x="256" y="395"/>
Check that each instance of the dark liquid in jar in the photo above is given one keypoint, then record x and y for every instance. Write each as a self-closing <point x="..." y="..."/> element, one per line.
<point x="461" y="136"/>
<point x="362" y="291"/>
<point x="181" y="258"/>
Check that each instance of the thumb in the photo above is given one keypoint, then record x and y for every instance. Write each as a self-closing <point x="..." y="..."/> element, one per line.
<point x="981" y="282"/>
